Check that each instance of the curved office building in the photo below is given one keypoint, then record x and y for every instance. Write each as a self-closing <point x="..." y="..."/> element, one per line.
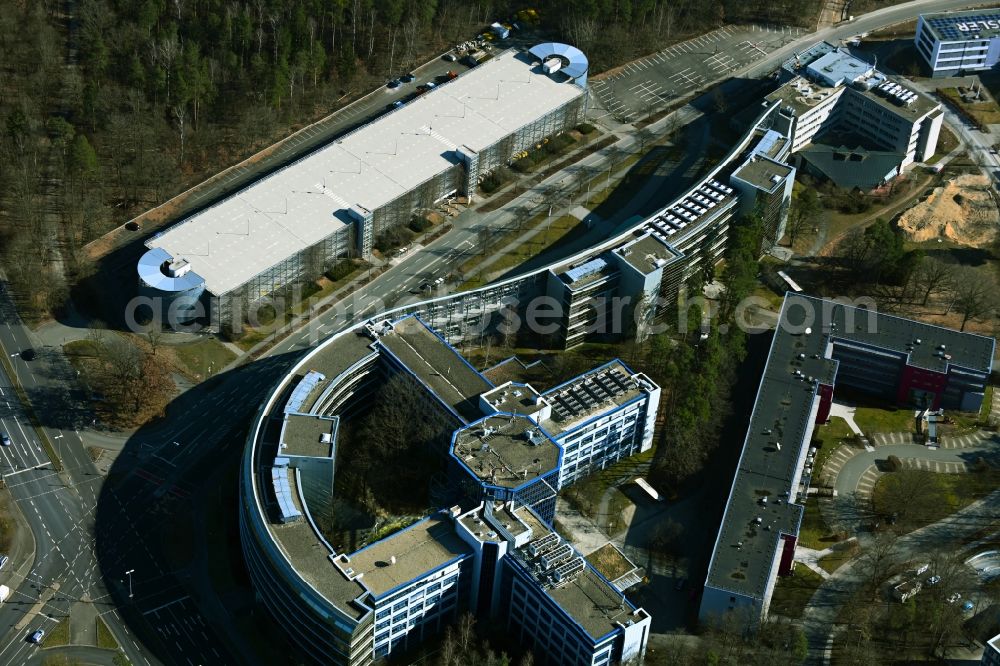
<point x="497" y="557"/>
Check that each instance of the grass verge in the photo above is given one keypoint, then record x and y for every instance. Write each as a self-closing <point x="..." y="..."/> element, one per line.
<point x="826" y="439"/>
<point x="105" y="639"/>
<point x="792" y="593"/>
<point x="58" y="636"/>
<point x="814" y="532"/>
<point x="838" y="557"/>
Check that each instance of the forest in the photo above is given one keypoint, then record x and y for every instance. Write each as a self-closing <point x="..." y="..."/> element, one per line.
<point x="110" y="107"/>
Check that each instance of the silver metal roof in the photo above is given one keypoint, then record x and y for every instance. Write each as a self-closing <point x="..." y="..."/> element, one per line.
<point x="298" y="206"/>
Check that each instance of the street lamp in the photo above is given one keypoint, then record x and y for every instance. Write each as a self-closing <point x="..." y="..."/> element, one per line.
<point x="129" y="574"/>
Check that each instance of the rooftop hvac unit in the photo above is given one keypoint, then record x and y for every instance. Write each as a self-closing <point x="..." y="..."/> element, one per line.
<point x="552" y="65"/>
<point x="569" y="570"/>
<point x="557" y="556"/>
<point x="543" y="544"/>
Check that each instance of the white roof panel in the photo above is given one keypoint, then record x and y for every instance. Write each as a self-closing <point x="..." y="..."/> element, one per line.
<point x="292" y="209"/>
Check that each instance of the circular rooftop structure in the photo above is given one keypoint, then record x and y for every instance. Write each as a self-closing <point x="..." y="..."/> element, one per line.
<point x="157" y="269"/>
<point x="573" y="62"/>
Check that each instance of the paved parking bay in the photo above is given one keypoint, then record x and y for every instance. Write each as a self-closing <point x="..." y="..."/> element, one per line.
<point x="645" y="85"/>
<point x="866" y="484"/>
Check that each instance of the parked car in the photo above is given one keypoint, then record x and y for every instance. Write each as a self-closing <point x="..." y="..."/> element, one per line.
<point x="36" y="637"/>
<point x="5" y="439"/>
<point x="407" y="78"/>
<point x="450" y="57"/>
<point x="395" y="83"/>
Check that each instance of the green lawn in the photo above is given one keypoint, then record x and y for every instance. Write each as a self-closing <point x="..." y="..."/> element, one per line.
<point x="838" y="557"/>
<point x="814" y="533"/>
<point x="876" y="419"/>
<point x="792" y="593"/>
<point x="204" y="358"/>
<point x="826" y="438"/>
<point x="105" y="639"/>
<point x="59" y="635"/>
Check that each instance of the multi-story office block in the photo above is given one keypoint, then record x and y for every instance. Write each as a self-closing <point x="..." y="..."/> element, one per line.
<point x="511" y="447"/>
<point x="820" y="344"/>
<point x="291" y="224"/>
<point x="957" y="43"/>
<point x="830" y="89"/>
<point x="549" y="597"/>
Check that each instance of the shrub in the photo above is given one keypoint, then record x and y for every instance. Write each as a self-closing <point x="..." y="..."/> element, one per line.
<point x="524" y="164"/>
<point x="419" y="224"/>
<point x="490" y="184"/>
<point x="393" y="238"/>
<point x="585" y="128"/>
<point x="894" y="464"/>
<point x="266" y="314"/>
<point x="340" y="270"/>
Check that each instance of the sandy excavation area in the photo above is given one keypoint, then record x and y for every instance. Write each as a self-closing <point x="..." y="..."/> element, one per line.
<point x="963" y="211"/>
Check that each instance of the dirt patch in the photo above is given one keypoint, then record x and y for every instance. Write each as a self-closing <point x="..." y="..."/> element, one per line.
<point x="963" y="211"/>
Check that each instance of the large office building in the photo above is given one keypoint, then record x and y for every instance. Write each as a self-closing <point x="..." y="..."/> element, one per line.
<point x="292" y="224"/>
<point x="830" y="92"/>
<point x="512" y="448"/>
<point x="959" y="43"/>
<point x="820" y="344"/>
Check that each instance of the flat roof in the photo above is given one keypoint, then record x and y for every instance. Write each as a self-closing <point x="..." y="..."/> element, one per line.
<point x="646" y="253"/>
<point x="745" y="549"/>
<point x="296" y="207"/>
<point x="838" y="68"/>
<point x="803" y="95"/>
<point x="506" y="450"/>
<point x="481" y="525"/>
<point x="963" y="25"/>
<point x="587" y="598"/>
<point x="783" y="414"/>
<point x="763" y="173"/>
<point x="595" y="392"/>
<point x="515" y="399"/>
<point x="437" y="366"/>
<point x="418" y="549"/>
<point x="883" y="331"/>
<point x="302" y="435"/>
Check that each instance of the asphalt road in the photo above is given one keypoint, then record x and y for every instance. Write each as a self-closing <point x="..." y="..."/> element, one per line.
<point x="64" y="572"/>
<point x="820" y="614"/>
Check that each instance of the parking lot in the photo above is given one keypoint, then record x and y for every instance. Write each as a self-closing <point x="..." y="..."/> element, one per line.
<point x="647" y="84"/>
